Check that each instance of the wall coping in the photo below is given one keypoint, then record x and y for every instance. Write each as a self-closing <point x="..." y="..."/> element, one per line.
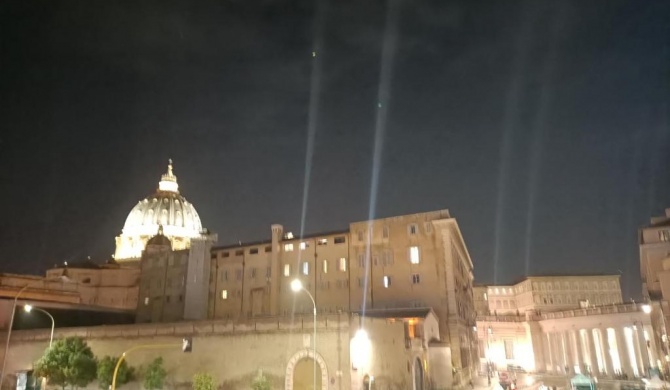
<point x="189" y="328"/>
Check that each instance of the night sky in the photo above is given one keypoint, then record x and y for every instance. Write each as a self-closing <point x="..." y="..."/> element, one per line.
<point x="542" y="125"/>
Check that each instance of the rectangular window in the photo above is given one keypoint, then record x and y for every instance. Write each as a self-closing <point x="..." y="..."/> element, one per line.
<point x="146" y="301"/>
<point x="325" y="266"/>
<point x="287" y="269"/>
<point x="253" y="251"/>
<point x="224" y="294"/>
<point x="429" y="227"/>
<point x="226" y="254"/>
<point x="323" y="241"/>
<point x="361" y="260"/>
<point x="268" y="272"/>
<point x="239" y="252"/>
<point x="268" y="248"/>
<point x="339" y="240"/>
<point x="360" y="282"/>
<point x="387" y="281"/>
<point x="414" y="255"/>
<point x="305" y="268"/>
<point x="288" y="247"/>
<point x="664" y="235"/>
<point x="385" y="232"/>
<point x="387" y="258"/>
<point x="412" y="229"/>
<point x="342" y="265"/>
<point x="509" y="349"/>
<point x="416" y="279"/>
<point x="303" y="246"/>
<point x="360" y="235"/>
<point x="224" y="276"/>
<point x="253" y="273"/>
<point x="238" y="274"/>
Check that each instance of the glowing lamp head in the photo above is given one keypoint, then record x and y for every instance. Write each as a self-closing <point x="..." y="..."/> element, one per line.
<point x="296" y="285"/>
<point x="361" y="350"/>
<point x="646" y="309"/>
<point x="27" y="308"/>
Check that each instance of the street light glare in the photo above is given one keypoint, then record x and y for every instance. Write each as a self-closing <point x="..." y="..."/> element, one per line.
<point x="296" y="285"/>
<point x="646" y="309"/>
<point x="27" y="308"/>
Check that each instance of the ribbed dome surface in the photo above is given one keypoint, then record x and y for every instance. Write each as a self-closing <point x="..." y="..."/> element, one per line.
<point x="165" y="210"/>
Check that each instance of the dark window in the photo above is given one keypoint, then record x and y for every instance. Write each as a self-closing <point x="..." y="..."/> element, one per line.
<point x="268" y="248"/>
<point x="339" y="240"/>
<point x="253" y="251"/>
<point x="239" y="252"/>
<point x="226" y="254"/>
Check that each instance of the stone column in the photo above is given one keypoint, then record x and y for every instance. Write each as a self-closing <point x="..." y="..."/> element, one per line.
<point x="593" y="357"/>
<point x="605" y="348"/>
<point x="569" y="355"/>
<point x="549" y="352"/>
<point x="642" y="345"/>
<point x="622" y="350"/>
<point x="652" y="346"/>
<point x="579" y="351"/>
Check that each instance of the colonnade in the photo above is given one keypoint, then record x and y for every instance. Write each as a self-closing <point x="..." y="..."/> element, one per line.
<point x="622" y="351"/>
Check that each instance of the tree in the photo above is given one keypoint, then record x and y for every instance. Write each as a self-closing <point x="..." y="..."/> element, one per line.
<point x="69" y="362"/>
<point x="203" y="381"/>
<point x="154" y="376"/>
<point x="106" y="368"/>
<point x="261" y="382"/>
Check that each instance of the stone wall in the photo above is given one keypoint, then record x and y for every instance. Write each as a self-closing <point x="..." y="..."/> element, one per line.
<point x="232" y="353"/>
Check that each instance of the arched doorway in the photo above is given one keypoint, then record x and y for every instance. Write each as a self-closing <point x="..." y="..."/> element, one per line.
<point x="418" y="374"/>
<point x="300" y="371"/>
<point x="303" y="374"/>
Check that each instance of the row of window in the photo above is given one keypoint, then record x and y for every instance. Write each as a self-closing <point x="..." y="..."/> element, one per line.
<point x="287" y="247"/>
<point x="547" y="286"/>
<point x="171" y="262"/>
<point x="412" y="229"/>
<point x="168" y="299"/>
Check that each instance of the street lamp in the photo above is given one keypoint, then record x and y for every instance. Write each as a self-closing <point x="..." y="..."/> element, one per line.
<point x="296" y="286"/>
<point x="29" y="308"/>
<point x="646" y="309"/>
<point x="11" y="321"/>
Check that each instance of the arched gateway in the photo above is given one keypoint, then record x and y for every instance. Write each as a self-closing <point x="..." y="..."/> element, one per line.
<point x="296" y="359"/>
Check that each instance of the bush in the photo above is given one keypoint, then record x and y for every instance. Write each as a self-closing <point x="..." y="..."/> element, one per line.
<point x="203" y="381"/>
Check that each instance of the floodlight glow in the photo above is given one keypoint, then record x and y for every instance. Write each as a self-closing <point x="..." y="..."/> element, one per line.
<point x="296" y="285"/>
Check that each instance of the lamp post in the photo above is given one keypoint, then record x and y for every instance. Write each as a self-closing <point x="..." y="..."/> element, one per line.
<point x="29" y="308"/>
<point x="11" y="323"/>
<point x="296" y="285"/>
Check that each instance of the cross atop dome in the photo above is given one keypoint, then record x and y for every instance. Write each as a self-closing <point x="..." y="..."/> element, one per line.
<point x="168" y="181"/>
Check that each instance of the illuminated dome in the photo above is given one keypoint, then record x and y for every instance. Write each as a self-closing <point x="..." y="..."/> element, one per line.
<point x="166" y="209"/>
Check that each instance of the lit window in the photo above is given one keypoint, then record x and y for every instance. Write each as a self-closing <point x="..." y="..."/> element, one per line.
<point x="486" y="297"/>
<point x="303" y="246"/>
<point x="325" y="266"/>
<point x="305" y="268"/>
<point x="414" y="255"/>
<point x="323" y="241"/>
<point x="387" y="281"/>
<point x="224" y="294"/>
<point x="146" y="301"/>
<point x="342" y="265"/>
<point x="288" y="247"/>
<point x="664" y="235"/>
<point x="412" y="229"/>
<point x="416" y="279"/>
<point x="287" y="269"/>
